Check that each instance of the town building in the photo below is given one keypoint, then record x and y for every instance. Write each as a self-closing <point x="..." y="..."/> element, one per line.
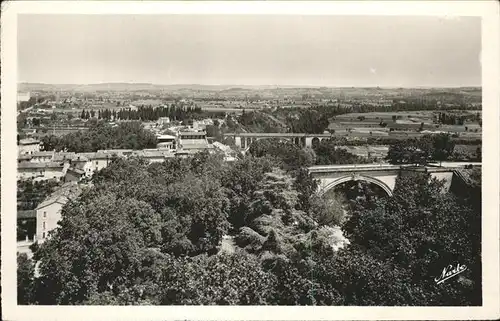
<point x="117" y="152"/>
<point x="28" y="131"/>
<point x="23" y="158"/>
<point x="153" y="155"/>
<point x="64" y="156"/>
<point x="183" y="153"/>
<point x="42" y="157"/>
<point x="28" y="146"/>
<point x="99" y="160"/>
<point x="82" y="163"/>
<point x="193" y="141"/>
<point x="23" y="96"/>
<point x="202" y="124"/>
<point x="199" y="125"/>
<point x="48" y="213"/>
<point x="74" y="167"/>
<point x="166" y="142"/>
<point x="74" y="174"/>
<point x="163" y="120"/>
<point x="41" y="171"/>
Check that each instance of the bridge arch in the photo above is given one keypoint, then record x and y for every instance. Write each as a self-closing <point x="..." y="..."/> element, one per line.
<point x="356" y="177"/>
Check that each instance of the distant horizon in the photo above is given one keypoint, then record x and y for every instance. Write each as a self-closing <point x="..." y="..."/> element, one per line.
<point x="245" y="85"/>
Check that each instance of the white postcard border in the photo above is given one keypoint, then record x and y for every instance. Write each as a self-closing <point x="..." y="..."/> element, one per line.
<point x="488" y="10"/>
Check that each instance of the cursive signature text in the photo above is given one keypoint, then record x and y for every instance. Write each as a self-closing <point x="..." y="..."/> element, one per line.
<point x="449" y="272"/>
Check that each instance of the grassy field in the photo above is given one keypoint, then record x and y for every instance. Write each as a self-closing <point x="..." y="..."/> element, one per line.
<point x="78" y="109"/>
<point x="403" y="116"/>
<point x="223" y="109"/>
<point x="388" y="115"/>
<point x="407" y="125"/>
<point x="147" y="102"/>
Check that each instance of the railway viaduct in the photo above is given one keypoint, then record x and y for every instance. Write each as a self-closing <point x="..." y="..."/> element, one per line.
<point x="244" y="140"/>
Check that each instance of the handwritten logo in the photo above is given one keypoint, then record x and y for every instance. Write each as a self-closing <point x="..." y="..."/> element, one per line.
<point x="449" y="272"/>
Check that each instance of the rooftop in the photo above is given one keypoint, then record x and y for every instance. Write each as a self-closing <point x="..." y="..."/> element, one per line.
<point x="24" y="157"/>
<point x="152" y="153"/>
<point x="29" y="141"/>
<point x="26" y="165"/>
<point x="99" y="155"/>
<point x="117" y="151"/>
<point x="63" y="156"/>
<point x="53" y="199"/>
<point x="80" y="158"/>
<point x="43" y="154"/>
<point x="76" y="170"/>
<point x="221" y="146"/>
<point x="196" y="146"/>
<point x="87" y="155"/>
<point x="193" y="132"/>
<point x="165" y="137"/>
<point x="69" y="189"/>
<point x="471" y="176"/>
<point x="79" y="165"/>
<point x="62" y="195"/>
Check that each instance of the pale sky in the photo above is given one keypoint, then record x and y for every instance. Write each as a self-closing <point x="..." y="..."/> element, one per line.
<point x="250" y="50"/>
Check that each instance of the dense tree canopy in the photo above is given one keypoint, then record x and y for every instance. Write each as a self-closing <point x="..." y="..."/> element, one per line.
<point x="292" y="156"/>
<point x="176" y="111"/>
<point x="128" y="135"/>
<point x="153" y="234"/>
<point x="420" y="231"/>
<point x="442" y="147"/>
<point x="25" y="279"/>
<point x="422" y="150"/>
<point x="310" y="121"/>
<point x="260" y="122"/>
<point x="328" y="153"/>
<point x="30" y="194"/>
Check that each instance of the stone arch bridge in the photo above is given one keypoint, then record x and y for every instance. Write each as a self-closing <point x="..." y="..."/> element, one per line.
<point x="382" y="175"/>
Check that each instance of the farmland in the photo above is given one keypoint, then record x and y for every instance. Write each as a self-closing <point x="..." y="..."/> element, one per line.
<point x="357" y="114"/>
<point x="401" y="124"/>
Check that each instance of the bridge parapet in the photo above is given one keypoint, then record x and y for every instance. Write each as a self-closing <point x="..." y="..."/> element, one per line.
<point x="352" y="168"/>
<point x="379" y="167"/>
